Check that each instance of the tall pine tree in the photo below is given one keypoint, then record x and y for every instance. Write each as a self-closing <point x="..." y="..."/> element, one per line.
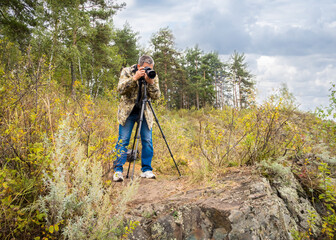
<point x="193" y="63"/>
<point x="241" y="81"/>
<point x="126" y="41"/>
<point x="165" y="56"/>
<point x="17" y="18"/>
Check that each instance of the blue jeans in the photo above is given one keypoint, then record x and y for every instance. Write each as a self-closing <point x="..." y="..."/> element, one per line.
<point x="124" y="139"/>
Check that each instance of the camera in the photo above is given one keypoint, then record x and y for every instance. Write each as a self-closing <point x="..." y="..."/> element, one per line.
<point x="150" y="72"/>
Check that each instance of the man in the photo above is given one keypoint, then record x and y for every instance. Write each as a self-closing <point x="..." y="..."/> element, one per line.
<point x="129" y="113"/>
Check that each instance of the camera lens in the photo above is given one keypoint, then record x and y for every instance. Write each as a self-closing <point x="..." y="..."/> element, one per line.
<point x="150" y="73"/>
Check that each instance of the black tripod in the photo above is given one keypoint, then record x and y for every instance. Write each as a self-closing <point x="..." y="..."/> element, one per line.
<point x="138" y="130"/>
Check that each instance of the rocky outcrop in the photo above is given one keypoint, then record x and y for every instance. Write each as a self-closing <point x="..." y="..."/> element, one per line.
<point x="242" y="205"/>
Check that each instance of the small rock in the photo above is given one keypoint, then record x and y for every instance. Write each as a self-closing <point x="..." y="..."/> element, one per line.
<point x="220" y="234"/>
<point x="235" y="216"/>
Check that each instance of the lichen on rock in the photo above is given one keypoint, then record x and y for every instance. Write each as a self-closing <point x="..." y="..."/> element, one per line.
<point x="244" y="205"/>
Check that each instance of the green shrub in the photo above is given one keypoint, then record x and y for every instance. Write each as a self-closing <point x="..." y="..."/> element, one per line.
<point x="77" y="205"/>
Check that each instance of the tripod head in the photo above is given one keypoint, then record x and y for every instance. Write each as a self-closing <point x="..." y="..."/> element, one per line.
<point x="142" y="80"/>
<point x="142" y="91"/>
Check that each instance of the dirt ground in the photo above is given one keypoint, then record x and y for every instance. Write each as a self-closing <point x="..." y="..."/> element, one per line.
<point x="154" y="190"/>
<point x="173" y="187"/>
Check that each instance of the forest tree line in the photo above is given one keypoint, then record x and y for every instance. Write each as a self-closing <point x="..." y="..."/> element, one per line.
<point x="80" y="45"/>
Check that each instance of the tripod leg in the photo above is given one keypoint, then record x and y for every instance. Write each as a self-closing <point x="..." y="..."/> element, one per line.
<point x="143" y="106"/>
<point x="132" y="153"/>
<point x="157" y="121"/>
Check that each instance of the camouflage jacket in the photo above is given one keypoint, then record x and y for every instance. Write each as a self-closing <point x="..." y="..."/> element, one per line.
<point x="128" y="89"/>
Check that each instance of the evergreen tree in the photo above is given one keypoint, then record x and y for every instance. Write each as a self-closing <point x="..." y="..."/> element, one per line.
<point x="102" y="63"/>
<point x="166" y="64"/>
<point x="203" y="71"/>
<point x="194" y="72"/>
<point x="212" y="67"/>
<point x="78" y="39"/>
<point x="17" y="18"/>
<point x="126" y="41"/>
<point x="241" y="81"/>
<point x="181" y="92"/>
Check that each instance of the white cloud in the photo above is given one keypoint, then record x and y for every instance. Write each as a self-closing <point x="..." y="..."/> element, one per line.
<point x="305" y="76"/>
<point x="290" y="41"/>
<point x="273" y="67"/>
<point x="326" y="75"/>
<point x="283" y="27"/>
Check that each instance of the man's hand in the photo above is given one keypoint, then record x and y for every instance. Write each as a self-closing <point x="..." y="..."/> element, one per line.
<point x="140" y="73"/>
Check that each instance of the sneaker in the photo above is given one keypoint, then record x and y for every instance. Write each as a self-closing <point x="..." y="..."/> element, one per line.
<point x="118" y="177"/>
<point x="148" y="174"/>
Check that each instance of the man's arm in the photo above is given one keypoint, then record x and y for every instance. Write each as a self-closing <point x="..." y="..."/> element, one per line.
<point x="153" y="90"/>
<point x="126" y="82"/>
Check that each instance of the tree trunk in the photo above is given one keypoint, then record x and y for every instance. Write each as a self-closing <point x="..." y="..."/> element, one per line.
<point x="80" y="69"/>
<point x="97" y="90"/>
<point x="165" y="84"/>
<point x="52" y="48"/>
<point x="92" y="81"/>
<point x="197" y="95"/>
<point x="216" y="90"/>
<point x="181" y="103"/>
<point x="235" y="95"/>
<point x="73" y="77"/>
<point x="239" y="91"/>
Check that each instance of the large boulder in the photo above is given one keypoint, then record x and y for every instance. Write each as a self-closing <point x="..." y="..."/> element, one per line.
<point x="242" y="205"/>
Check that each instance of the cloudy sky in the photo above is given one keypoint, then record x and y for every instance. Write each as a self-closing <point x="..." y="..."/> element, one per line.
<point x="285" y="41"/>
